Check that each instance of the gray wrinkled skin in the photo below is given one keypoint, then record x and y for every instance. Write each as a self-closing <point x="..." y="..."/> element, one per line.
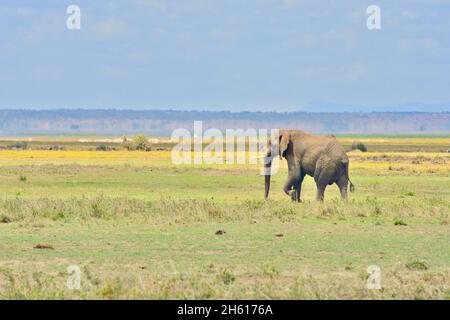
<point x="321" y="157"/>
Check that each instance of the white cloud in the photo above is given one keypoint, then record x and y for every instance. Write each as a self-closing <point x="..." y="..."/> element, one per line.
<point x="352" y="71"/>
<point x="112" y="72"/>
<point x="41" y="27"/>
<point x="289" y="3"/>
<point x="153" y="4"/>
<point x="346" y="72"/>
<point x="294" y="3"/>
<point x="221" y="35"/>
<point x="410" y="14"/>
<point x="108" y="29"/>
<point x="139" y="57"/>
<point x="308" y="72"/>
<point x="15" y="10"/>
<point x="346" y="38"/>
<point x="310" y="41"/>
<point x="419" y="45"/>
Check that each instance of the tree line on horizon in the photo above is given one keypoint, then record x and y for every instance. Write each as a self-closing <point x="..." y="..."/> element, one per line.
<point x="165" y="121"/>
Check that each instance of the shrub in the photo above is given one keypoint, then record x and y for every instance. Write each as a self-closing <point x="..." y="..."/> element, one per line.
<point x="416" y="264"/>
<point x="399" y="222"/>
<point x="227" y="277"/>
<point x="5" y="219"/>
<point x="126" y="144"/>
<point x="103" y="148"/>
<point x="359" y="146"/>
<point x="23" y="145"/>
<point x="141" y="143"/>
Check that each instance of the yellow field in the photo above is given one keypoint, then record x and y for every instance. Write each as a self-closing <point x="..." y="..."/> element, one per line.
<point x="139" y="226"/>
<point x="397" y="163"/>
<point x="395" y="141"/>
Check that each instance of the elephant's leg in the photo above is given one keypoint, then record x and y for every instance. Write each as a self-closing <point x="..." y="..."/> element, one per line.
<point x="295" y="195"/>
<point x="292" y="180"/>
<point x="321" y="191"/>
<point x="342" y="183"/>
<point x="298" y="188"/>
<point x="324" y="175"/>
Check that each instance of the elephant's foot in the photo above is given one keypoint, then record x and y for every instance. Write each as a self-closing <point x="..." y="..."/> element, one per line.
<point x="294" y="197"/>
<point x="288" y="190"/>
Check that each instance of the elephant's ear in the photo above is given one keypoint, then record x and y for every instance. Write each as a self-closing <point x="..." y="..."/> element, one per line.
<point x="284" y="142"/>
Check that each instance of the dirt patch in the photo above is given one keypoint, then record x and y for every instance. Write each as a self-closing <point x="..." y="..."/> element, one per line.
<point x="44" y="246"/>
<point x="5" y="219"/>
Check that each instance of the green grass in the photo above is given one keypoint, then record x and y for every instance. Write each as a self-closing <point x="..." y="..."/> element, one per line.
<point x="397" y="136"/>
<point x="433" y="142"/>
<point x="149" y="231"/>
<point x="329" y="257"/>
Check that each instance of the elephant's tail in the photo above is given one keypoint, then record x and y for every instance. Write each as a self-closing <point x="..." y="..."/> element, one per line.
<point x="352" y="186"/>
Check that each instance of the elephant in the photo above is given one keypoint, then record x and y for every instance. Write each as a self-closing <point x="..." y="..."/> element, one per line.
<point x="321" y="157"/>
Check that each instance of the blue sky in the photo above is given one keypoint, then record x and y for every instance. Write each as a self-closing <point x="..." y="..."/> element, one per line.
<point x="282" y="55"/>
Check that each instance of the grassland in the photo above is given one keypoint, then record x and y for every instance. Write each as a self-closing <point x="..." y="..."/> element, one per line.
<point x="139" y="226"/>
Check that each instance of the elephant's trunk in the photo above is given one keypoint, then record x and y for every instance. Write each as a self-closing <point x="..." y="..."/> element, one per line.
<point x="266" y="192"/>
<point x="267" y="172"/>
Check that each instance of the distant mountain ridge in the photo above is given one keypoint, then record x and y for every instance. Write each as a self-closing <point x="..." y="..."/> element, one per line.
<point x="163" y="122"/>
<point x="324" y="106"/>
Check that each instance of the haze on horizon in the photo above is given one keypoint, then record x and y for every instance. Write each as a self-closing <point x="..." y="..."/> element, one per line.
<point x="257" y="55"/>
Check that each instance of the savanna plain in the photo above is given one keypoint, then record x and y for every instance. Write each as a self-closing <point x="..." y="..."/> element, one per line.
<point x="138" y="226"/>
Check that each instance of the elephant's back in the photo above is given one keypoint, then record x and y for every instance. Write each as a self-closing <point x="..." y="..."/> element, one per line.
<point x="334" y="148"/>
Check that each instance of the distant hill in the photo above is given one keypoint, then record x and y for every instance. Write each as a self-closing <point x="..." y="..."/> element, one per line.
<point x="324" y="106"/>
<point x="163" y="122"/>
